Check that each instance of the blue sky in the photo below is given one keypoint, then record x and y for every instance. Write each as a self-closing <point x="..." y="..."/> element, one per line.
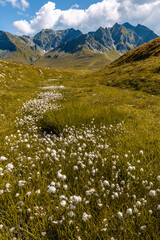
<point x="10" y="13"/>
<point x="30" y="16"/>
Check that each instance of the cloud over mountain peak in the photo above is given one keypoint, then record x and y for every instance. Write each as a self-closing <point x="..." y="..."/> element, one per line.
<point x="104" y="13"/>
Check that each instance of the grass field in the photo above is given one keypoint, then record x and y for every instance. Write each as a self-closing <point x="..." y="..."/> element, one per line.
<point x="78" y="159"/>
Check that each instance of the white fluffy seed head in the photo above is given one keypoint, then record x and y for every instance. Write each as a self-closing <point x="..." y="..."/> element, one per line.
<point x="158" y="178"/>
<point x="152" y="193"/>
<point x="63" y="203"/>
<point x="138" y="203"/>
<point x="51" y="189"/>
<point x="129" y="211"/>
<point x="120" y="214"/>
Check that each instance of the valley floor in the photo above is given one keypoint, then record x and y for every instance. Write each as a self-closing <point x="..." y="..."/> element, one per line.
<point x="78" y="160"/>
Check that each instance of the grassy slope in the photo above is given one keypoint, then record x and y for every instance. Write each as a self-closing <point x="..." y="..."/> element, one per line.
<point x="85" y="59"/>
<point x="82" y="101"/>
<point x="19" y="83"/>
<point x="23" y="54"/>
<point x="138" y="69"/>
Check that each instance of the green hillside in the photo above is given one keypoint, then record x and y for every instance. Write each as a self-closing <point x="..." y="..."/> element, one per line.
<point x="81" y="60"/>
<point x="138" y="69"/>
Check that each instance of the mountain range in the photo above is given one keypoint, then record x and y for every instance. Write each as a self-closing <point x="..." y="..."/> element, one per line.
<point x="71" y="48"/>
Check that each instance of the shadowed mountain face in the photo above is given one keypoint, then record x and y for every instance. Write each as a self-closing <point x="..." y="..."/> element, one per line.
<point x="48" y="39"/>
<point x="103" y="36"/>
<point x="125" y="39"/>
<point x="145" y="33"/>
<point x="109" y="43"/>
<point x="77" y="44"/>
<point x="5" y="43"/>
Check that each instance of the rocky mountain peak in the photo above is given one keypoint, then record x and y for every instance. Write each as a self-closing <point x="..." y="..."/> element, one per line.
<point x="5" y="43"/>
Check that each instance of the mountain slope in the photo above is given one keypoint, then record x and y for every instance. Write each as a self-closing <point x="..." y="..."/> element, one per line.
<point x="77" y="44"/>
<point x="103" y="36"/>
<point x="81" y="53"/>
<point x="17" y="49"/>
<point x="138" y="69"/>
<point x="105" y="44"/>
<point x="48" y="39"/>
<point x="145" y="33"/>
<point x="124" y="39"/>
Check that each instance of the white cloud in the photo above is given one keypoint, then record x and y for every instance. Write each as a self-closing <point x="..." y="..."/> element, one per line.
<point x="23" y="24"/>
<point x="104" y="13"/>
<point x="100" y="14"/>
<point x="75" y="6"/>
<point x="21" y="4"/>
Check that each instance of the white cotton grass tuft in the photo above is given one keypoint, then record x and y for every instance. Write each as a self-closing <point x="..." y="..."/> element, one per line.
<point x="120" y="214"/>
<point x="158" y="178"/>
<point x="2" y="158"/>
<point x="86" y="217"/>
<point x="63" y="203"/>
<point x="129" y="211"/>
<point x="51" y="189"/>
<point x="9" y="166"/>
<point x="152" y="193"/>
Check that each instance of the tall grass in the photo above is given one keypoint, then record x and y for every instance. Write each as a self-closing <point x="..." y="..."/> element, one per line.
<point x="76" y="113"/>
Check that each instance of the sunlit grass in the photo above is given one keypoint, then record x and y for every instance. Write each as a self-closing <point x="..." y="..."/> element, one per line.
<point x="89" y="171"/>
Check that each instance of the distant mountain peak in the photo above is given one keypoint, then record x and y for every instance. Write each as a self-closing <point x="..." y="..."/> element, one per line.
<point x="128" y="25"/>
<point x="109" y="42"/>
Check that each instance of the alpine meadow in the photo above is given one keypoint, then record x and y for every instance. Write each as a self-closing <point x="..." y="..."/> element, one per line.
<point x="79" y="131"/>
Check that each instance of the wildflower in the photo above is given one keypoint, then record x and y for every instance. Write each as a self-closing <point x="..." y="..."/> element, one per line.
<point x="90" y="192"/>
<point x="43" y="234"/>
<point x="158" y="178"/>
<point x="143" y="227"/>
<point x="158" y="207"/>
<point x="71" y="214"/>
<point x="86" y="217"/>
<point x="11" y="230"/>
<point x="75" y="168"/>
<point x="28" y="193"/>
<point x="120" y="214"/>
<point x="8" y="185"/>
<point x="51" y="189"/>
<point x="75" y="199"/>
<point x="1" y="226"/>
<point x="65" y="187"/>
<point x="152" y="193"/>
<point x="9" y="166"/>
<point x="38" y="191"/>
<point x="2" y="158"/>
<point x="141" y="152"/>
<point x="62" y="177"/>
<point x="21" y="183"/>
<point x="1" y="192"/>
<point x="129" y="211"/>
<point x="63" y="203"/>
<point x="103" y="229"/>
<point x="106" y="183"/>
<point x="138" y="203"/>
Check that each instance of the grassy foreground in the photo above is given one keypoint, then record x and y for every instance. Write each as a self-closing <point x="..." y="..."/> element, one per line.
<point x="78" y="160"/>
